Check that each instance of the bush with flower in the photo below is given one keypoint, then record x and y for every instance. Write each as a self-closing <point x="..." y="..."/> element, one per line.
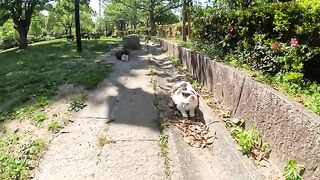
<point x="277" y="39"/>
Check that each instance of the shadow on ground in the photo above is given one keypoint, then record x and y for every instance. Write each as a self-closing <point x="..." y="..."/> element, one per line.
<point x="127" y="95"/>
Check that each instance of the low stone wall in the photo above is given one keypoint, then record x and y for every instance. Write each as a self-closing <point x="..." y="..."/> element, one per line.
<point x="290" y="129"/>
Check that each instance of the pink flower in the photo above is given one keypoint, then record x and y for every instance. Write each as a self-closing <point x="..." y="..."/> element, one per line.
<point x="294" y="42"/>
<point x="275" y="45"/>
<point x="231" y="30"/>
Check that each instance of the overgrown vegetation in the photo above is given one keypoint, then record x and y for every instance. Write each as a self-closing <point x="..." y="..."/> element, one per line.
<point x="249" y="140"/>
<point x="292" y="170"/>
<point x="163" y="143"/>
<point x="15" y="163"/>
<point x="77" y="104"/>
<point x="54" y="127"/>
<point x="276" y="42"/>
<point x="38" y="117"/>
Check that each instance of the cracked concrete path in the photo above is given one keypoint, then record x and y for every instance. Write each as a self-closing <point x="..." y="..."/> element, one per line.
<point x="122" y="109"/>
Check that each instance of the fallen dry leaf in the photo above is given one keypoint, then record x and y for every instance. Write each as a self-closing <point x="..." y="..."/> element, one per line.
<point x="195" y="132"/>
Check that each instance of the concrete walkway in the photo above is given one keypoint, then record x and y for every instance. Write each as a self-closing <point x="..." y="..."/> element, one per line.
<point x="122" y="110"/>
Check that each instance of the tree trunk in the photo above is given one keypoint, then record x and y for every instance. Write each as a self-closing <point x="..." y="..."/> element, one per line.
<point x="189" y="18"/>
<point x="184" y="20"/>
<point x="23" y="28"/>
<point x="152" y="23"/>
<point x="77" y="24"/>
<point x="23" y="42"/>
<point x="70" y="30"/>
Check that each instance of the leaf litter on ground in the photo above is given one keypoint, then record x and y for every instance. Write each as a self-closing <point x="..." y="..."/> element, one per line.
<point x="194" y="131"/>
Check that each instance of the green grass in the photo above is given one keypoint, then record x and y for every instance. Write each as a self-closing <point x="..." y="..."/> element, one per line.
<point x="15" y="164"/>
<point x="54" y="127"/>
<point x="30" y="78"/>
<point x="38" y="117"/>
<point x="77" y="104"/>
<point x="178" y="40"/>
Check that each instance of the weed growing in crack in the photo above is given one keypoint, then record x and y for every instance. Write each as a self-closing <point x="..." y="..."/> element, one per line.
<point x="152" y="72"/>
<point x="154" y="84"/>
<point x="292" y="170"/>
<point x="227" y="114"/>
<point x="176" y="62"/>
<point x="38" y="117"/>
<point x="77" y="104"/>
<point x="54" y="127"/>
<point x="103" y="140"/>
<point x="163" y="143"/>
<point x="163" y="126"/>
<point x="249" y="140"/>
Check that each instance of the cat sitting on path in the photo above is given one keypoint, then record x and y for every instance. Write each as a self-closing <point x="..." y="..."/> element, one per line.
<point x="185" y="98"/>
<point x="122" y="55"/>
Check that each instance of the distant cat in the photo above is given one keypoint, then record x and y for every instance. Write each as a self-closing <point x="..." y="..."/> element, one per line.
<point x="185" y="98"/>
<point x="122" y="55"/>
<point x="125" y="57"/>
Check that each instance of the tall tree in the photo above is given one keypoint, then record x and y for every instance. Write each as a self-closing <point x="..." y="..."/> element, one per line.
<point x="64" y="14"/>
<point x="186" y="13"/>
<point x="117" y="11"/>
<point x="20" y="11"/>
<point x="184" y="20"/>
<point x="77" y="23"/>
<point x="154" y="8"/>
<point x="38" y="25"/>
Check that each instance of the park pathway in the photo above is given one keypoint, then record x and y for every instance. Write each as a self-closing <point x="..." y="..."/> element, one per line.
<point x="115" y="136"/>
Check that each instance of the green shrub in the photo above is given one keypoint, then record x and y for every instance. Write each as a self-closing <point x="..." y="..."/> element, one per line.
<point x="291" y="170"/>
<point x="280" y="41"/>
<point x="247" y="139"/>
<point x="8" y="35"/>
<point x="234" y="31"/>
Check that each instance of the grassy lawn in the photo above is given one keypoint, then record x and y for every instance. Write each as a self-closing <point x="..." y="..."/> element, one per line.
<point x="34" y="74"/>
<point x="28" y="81"/>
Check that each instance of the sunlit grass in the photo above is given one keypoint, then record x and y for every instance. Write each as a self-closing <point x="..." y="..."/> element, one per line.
<point x="40" y="69"/>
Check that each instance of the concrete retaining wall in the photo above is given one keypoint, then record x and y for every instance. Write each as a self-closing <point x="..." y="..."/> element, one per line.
<point x="290" y="129"/>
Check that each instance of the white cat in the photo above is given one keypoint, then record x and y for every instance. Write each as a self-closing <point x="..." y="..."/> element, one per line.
<point x="125" y="57"/>
<point x="185" y="98"/>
